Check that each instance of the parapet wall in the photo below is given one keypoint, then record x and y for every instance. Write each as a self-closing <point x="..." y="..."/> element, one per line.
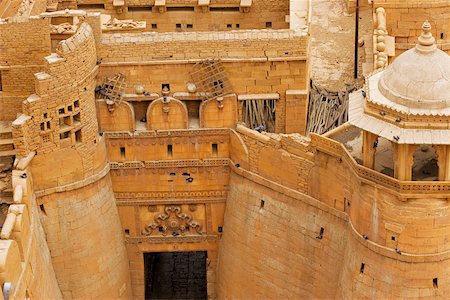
<point x="23" y="47"/>
<point x="25" y="255"/>
<point x="194" y="15"/>
<point x="201" y="45"/>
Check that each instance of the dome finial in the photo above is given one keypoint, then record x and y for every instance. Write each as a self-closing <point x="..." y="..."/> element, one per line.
<point x="426" y="40"/>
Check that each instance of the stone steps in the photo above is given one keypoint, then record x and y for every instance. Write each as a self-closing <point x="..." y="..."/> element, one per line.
<point x="6" y="141"/>
<point x="7" y="153"/>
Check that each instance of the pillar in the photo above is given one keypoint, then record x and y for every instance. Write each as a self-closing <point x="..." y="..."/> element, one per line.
<point x="296" y="111"/>
<point x="369" y="149"/>
<point x="403" y="161"/>
<point x="443" y="157"/>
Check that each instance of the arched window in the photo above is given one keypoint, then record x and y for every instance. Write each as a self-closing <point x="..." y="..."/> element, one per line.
<point x="425" y="167"/>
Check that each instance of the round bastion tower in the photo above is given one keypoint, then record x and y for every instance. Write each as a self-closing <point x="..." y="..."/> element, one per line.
<point x="71" y="173"/>
<point x="404" y="117"/>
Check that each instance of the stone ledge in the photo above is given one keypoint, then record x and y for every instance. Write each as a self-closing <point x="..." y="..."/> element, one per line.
<point x="75" y="185"/>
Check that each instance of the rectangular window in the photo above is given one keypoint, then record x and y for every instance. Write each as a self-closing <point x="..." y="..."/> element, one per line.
<point x="214" y="148"/>
<point x="180" y="8"/>
<point x="140" y="8"/>
<point x="90" y="6"/>
<point x="64" y="135"/>
<point x="225" y="9"/>
<point x="78" y="136"/>
<point x="122" y="152"/>
<point x="169" y="151"/>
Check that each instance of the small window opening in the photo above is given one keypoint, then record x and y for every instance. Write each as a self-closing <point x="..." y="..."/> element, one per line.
<point x="164" y="86"/>
<point x="220" y="229"/>
<point x="169" y="150"/>
<point x="42" y="127"/>
<point x="122" y="152"/>
<point x="66" y="121"/>
<point x="90" y="6"/>
<point x="225" y="9"/>
<point x="172" y="174"/>
<point x="140" y="8"/>
<point x="361" y="270"/>
<point x="69" y="108"/>
<point x="48" y="125"/>
<point x="320" y="236"/>
<point x="160" y="229"/>
<point x="77" y="118"/>
<point x="76" y="103"/>
<point x="43" y="209"/>
<point x="190" y="26"/>
<point x="61" y="111"/>
<point x="229" y="25"/>
<point x="435" y="282"/>
<point x="180" y="8"/>
<point x="393" y="238"/>
<point x="78" y="136"/>
<point x="214" y="149"/>
<point x="178" y="26"/>
<point x="45" y="115"/>
<point x="64" y="135"/>
<point x="442" y="35"/>
<point x="238" y="25"/>
<point x="154" y="26"/>
<point x="261" y="206"/>
<point x="127" y="231"/>
<point x="268" y="24"/>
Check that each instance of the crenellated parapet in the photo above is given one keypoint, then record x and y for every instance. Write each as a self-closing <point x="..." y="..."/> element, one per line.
<point x="25" y="270"/>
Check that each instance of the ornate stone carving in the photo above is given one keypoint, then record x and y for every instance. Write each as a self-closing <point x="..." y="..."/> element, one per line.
<point x="173" y="221"/>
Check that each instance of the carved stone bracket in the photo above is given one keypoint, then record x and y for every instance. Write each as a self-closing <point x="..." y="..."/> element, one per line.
<point x="172" y="221"/>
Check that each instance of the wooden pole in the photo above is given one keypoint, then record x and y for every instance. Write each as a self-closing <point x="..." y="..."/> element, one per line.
<point x="356" y="39"/>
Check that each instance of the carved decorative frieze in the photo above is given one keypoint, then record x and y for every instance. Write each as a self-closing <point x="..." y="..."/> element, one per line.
<point x="166" y="133"/>
<point x="173" y="221"/>
<point x="155" y="164"/>
<point x="192" y="195"/>
<point x="171" y="239"/>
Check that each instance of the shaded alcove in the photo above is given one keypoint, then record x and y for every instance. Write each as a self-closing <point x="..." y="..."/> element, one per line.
<point x="384" y="157"/>
<point x="175" y="275"/>
<point x="425" y="167"/>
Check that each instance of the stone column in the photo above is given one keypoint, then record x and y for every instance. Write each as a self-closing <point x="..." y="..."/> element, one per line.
<point x="403" y="161"/>
<point x="443" y="157"/>
<point x="369" y="148"/>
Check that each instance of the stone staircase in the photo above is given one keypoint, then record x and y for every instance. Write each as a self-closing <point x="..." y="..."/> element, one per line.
<point x="6" y="140"/>
<point x="7" y="153"/>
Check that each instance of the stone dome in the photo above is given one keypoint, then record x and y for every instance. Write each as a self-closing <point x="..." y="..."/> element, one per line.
<point x="420" y="77"/>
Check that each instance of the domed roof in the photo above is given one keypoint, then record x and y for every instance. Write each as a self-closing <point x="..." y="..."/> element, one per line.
<point x="420" y="77"/>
